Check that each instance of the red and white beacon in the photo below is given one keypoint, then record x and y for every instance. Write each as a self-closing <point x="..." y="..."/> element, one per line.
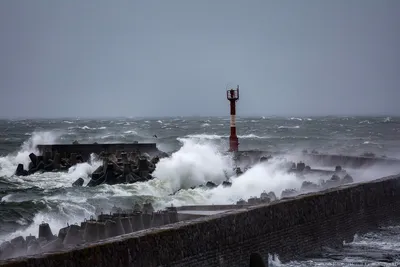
<point x="233" y="95"/>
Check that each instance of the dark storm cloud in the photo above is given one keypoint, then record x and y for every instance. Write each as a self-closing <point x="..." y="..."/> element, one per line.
<point x="149" y="58"/>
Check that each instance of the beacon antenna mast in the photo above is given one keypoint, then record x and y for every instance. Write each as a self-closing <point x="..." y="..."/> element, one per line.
<point x="233" y="95"/>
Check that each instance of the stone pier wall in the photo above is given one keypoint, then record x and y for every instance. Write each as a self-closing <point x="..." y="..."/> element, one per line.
<point x="290" y="228"/>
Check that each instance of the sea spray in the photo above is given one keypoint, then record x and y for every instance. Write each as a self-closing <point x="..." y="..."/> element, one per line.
<point x="8" y="164"/>
<point x="194" y="164"/>
<point x="262" y="177"/>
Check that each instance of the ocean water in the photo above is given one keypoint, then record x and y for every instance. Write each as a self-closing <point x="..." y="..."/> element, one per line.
<point x="196" y="145"/>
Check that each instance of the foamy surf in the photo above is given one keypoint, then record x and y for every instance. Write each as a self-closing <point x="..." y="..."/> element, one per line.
<point x="197" y="161"/>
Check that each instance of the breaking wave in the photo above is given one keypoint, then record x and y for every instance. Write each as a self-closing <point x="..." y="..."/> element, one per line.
<point x="196" y="162"/>
<point x="10" y="162"/>
<point x="289" y="127"/>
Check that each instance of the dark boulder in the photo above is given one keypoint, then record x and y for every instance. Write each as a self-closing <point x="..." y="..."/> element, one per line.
<point x="78" y="182"/>
<point x="300" y="166"/>
<point x="45" y="232"/>
<point x="241" y="202"/>
<point x="289" y="193"/>
<point x="239" y="171"/>
<point x="254" y="201"/>
<point x="347" y="179"/>
<point x="6" y="250"/>
<point x="333" y="182"/>
<point x="20" y="171"/>
<point x="272" y="196"/>
<point x="309" y="186"/>
<point x="264" y="197"/>
<point x="226" y="184"/>
<point x="265" y="158"/>
<point x="256" y="260"/>
<point x="34" y="159"/>
<point x="211" y="185"/>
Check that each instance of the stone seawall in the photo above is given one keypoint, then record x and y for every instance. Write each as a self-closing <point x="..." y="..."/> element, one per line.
<point x="290" y="228"/>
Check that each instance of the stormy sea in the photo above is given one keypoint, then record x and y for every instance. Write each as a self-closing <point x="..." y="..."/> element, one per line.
<point x="196" y="145"/>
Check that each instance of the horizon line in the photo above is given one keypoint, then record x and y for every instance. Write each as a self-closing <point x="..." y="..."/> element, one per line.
<point x="196" y="116"/>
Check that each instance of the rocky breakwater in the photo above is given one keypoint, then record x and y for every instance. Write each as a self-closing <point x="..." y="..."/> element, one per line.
<point x="119" y="167"/>
<point x="106" y="226"/>
<point x="327" y="178"/>
<point x="122" y="168"/>
<point x="48" y="163"/>
<point x="339" y="177"/>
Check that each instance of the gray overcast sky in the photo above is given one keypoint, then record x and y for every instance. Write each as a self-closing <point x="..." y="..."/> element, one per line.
<point x="175" y="58"/>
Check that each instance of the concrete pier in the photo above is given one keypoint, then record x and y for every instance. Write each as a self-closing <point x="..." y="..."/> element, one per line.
<point x="289" y="227"/>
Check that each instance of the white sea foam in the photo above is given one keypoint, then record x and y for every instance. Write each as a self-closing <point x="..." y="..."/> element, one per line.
<point x="197" y="161"/>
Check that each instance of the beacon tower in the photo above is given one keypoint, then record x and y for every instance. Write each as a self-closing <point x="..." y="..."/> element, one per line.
<point x="233" y="95"/>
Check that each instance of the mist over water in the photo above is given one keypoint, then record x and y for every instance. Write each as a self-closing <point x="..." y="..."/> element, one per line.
<point x="197" y="146"/>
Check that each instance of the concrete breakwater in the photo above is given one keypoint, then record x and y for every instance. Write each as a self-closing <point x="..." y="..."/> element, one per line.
<point x="290" y="227"/>
<point x="86" y="149"/>
<point x="117" y="222"/>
